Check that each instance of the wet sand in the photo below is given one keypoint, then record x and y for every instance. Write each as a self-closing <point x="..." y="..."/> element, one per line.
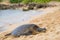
<point x="49" y="20"/>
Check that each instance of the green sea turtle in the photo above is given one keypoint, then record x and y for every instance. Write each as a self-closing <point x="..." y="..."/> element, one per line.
<point x="26" y="29"/>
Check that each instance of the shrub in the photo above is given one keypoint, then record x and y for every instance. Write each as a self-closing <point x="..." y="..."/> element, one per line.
<point x="29" y="1"/>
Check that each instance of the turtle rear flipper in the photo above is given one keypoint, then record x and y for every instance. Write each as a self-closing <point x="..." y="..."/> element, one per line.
<point x="8" y="34"/>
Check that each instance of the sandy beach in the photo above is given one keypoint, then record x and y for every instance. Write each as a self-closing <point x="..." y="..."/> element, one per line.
<point x="50" y="20"/>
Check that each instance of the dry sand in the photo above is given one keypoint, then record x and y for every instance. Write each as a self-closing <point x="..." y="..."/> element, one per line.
<point x="50" y="20"/>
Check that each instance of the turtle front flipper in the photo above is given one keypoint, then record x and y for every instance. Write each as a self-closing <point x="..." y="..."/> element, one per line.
<point x="28" y="33"/>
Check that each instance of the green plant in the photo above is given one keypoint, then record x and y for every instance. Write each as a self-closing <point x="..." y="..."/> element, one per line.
<point x="42" y="1"/>
<point x="30" y="1"/>
<point x="0" y="0"/>
<point x="16" y="1"/>
<point x="26" y="1"/>
<point x="57" y="0"/>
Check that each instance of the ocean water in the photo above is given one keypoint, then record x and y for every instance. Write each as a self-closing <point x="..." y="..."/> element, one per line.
<point x="15" y="16"/>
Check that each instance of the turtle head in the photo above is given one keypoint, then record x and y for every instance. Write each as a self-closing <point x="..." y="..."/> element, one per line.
<point x="41" y="29"/>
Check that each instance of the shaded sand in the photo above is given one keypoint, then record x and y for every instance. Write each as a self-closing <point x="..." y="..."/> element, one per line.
<point x="50" y="20"/>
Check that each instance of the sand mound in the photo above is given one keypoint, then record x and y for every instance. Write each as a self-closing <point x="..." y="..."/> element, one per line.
<point x="51" y="21"/>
